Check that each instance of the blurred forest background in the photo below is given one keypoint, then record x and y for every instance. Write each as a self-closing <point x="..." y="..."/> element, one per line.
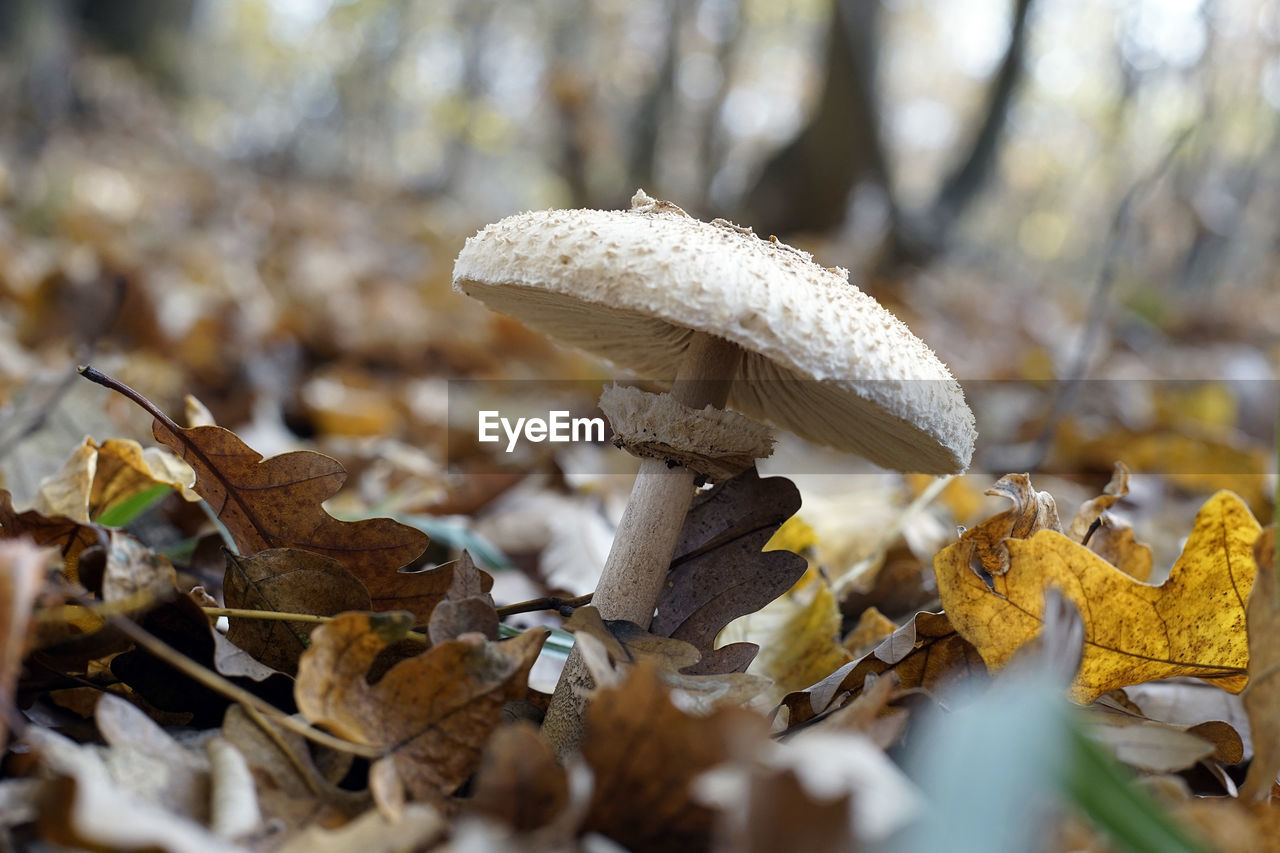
<point x="259" y="201"/>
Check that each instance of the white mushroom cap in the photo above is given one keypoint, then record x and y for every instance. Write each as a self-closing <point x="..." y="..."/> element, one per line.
<point x="822" y="359"/>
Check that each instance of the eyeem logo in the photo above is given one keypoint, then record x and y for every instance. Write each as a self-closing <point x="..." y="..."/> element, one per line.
<point x="557" y="427"/>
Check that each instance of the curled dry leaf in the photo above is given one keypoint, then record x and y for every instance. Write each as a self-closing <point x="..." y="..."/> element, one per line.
<point x="1031" y="511"/>
<point x="431" y="714"/>
<point x="926" y="652"/>
<point x="101" y="478"/>
<point x="68" y="536"/>
<point x="90" y="808"/>
<point x="1262" y="697"/>
<point x="679" y="663"/>
<point x="1111" y="539"/>
<point x="1191" y="625"/>
<point x="286" y="580"/>
<point x="1092" y="509"/>
<point x="147" y="760"/>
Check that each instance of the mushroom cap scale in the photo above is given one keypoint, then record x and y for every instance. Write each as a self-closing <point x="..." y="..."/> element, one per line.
<point x="821" y="358"/>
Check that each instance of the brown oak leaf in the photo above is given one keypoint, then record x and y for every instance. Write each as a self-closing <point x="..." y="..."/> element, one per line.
<point x="431" y="714"/>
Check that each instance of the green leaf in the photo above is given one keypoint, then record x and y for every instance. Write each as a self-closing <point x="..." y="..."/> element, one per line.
<point x="130" y="508"/>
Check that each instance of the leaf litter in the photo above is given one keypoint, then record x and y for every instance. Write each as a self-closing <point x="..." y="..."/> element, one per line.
<point x="686" y="749"/>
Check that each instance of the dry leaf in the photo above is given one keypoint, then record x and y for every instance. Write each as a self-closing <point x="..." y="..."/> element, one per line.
<point x="92" y="809"/>
<point x="69" y="537"/>
<point x="145" y="759"/>
<point x="1107" y="536"/>
<point x="1031" y="511"/>
<point x="1091" y="510"/>
<point x="286" y="580"/>
<point x="22" y="571"/>
<point x="873" y="626"/>
<point x="520" y="783"/>
<point x="833" y="767"/>
<point x="926" y="652"/>
<point x="798" y="635"/>
<point x="699" y="688"/>
<point x="416" y="829"/>
<point x="645" y="754"/>
<point x="98" y="478"/>
<point x="233" y="797"/>
<point x="719" y="571"/>
<point x="431" y="714"/>
<point x="467" y="607"/>
<point x="1262" y="697"/>
<point x="277" y="502"/>
<point x="1193" y="624"/>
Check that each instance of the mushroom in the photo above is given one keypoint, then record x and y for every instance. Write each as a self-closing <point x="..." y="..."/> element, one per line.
<point x="727" y="318"/>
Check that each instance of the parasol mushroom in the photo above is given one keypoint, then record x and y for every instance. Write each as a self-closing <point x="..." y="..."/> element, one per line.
<point x="728" y="319"/>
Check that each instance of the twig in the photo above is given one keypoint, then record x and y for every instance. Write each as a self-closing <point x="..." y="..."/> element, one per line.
<point x="549" y="602"/>
<point x="274" y="736"/>
<point x="280" y="616"/>
<point x="1099" y="302"/>
<point x="222" y="686"/>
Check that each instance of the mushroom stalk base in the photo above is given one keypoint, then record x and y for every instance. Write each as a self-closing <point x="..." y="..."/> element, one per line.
<point x="637" y="566"/>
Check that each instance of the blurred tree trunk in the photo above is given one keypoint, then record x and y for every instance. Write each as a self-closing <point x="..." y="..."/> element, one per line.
<point x="151" y="32"/>
<point x="711" y="143"/>
<point x="570" y="91"/>
<point x="41" y="38"/>
<point x="806" y="185"/>
<point x="656" y="103"/>
<point x="967" y="180"/>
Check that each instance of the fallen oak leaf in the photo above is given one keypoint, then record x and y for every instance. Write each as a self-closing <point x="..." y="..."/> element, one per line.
<point x="277" y="502"/>
<point x="719" y="570"/>
<point x="926" y="652"/>
<point x="1191" y="625"/>
<point x="430" y="714"/>
<point x="286" y="580"/>
<point x="1262" y="697"/>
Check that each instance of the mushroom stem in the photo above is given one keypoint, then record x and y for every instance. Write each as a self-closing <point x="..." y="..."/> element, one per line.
<point x="641" y="554"/>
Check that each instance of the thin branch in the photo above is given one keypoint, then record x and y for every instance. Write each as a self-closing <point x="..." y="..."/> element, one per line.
<point x="222" y="686"/>
<point x="549" y="602"/>
<point x="281" y="616"/>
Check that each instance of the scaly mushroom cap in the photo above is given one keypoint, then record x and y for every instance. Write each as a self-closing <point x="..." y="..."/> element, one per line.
<point x="822" y="359"/>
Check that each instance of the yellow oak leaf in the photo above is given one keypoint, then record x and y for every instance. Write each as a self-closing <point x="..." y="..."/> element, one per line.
<point x="1191" y="625"/>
